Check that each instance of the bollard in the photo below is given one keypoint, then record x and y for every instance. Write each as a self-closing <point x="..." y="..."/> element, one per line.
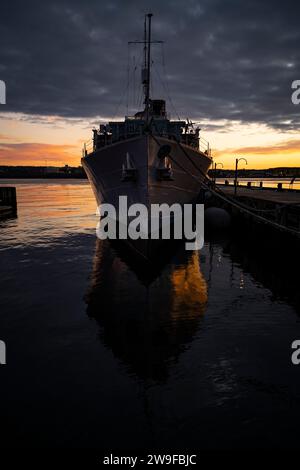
<point x="261" y="184"/>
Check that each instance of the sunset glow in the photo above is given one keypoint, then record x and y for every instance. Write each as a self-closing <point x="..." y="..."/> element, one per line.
<point x="53" y="141"/>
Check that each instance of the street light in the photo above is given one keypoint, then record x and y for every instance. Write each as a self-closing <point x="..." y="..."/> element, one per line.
<point x="215" y="172"/>
<point x="237" y="160"/>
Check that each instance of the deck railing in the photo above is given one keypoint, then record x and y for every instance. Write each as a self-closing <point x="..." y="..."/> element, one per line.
<point x="204" y="146"/>
<point x="88" y="147"/>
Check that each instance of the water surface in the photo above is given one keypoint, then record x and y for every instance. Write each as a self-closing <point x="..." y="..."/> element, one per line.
<point x="103" y="353"/>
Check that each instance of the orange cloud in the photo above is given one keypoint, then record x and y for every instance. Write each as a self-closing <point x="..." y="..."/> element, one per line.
<point x="39" y="154"/>
<point x="5" y="137"/>
<point x="286" y="147"/>
<point x="285" y="153"/>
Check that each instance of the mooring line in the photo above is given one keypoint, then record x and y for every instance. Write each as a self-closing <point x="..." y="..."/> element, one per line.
<point x="223" y="196"/>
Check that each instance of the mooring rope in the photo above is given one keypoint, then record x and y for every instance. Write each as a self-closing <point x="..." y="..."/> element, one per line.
<point x="222" y="195"/>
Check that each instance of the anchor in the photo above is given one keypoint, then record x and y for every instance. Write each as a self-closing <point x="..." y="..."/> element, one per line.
<point x="129" y="172"/>
<point x="164" y="170"/>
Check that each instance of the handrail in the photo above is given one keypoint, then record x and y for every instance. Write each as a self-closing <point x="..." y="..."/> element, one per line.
<point x="203" y="144"/>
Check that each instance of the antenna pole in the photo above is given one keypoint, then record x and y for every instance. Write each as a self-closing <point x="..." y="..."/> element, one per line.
<point x="145" y="43"/>
<point x="146" y="70"/>
<point x="147" y="100"/>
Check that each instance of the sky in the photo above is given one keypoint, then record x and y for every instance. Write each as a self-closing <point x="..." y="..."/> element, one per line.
<point x="226" y="64"/>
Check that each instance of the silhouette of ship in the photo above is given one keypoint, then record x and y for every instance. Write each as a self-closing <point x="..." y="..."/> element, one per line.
<point x="147" y="157"/>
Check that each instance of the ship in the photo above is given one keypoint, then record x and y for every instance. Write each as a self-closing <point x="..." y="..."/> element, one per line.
<point x="147" y="157"/>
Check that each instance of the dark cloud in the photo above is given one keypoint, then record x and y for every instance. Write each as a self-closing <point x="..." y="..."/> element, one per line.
<point x="225" y="59"/>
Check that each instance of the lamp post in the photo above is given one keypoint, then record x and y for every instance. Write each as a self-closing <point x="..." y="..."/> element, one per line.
<point x="215" y="172"/>
<point x="237" y="160"/>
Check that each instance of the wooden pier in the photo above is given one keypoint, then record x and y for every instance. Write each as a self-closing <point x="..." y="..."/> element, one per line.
<point x="277" y="209"/>
<point x="8" y="201"/>
<point x="283" y="196"/>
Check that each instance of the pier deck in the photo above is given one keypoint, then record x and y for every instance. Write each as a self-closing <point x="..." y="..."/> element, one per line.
<point x="267" y="195"/>
<point x="279" y="209"/>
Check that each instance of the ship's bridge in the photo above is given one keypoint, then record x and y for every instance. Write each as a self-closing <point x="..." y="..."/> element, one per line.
<point x="140" y="122"/>
<point x="137" y="124"/>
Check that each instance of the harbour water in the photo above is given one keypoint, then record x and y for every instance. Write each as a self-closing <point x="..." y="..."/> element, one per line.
<point x="107" y="355"/>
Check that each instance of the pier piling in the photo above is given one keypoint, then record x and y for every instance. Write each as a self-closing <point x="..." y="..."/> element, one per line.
<point x="278" y="210"/>
<point x="8" y="201"/>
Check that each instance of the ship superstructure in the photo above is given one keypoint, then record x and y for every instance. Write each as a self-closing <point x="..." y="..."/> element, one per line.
<point x="147" y="157"/>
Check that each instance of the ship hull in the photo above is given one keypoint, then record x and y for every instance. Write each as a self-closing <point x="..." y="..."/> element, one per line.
<point x="104" y="171"/>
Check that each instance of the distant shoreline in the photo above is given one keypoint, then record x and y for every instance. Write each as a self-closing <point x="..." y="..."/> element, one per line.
<point x="2" y="177"/>
<point x="48" y="177"/>
<point x="41" y="172"/>
<point x="67" y="172"/>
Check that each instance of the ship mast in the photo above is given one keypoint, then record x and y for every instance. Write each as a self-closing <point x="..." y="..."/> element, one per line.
<point x="148" y="65"/>
<point x="146" y="70"/>
<point x="145" y="44"/>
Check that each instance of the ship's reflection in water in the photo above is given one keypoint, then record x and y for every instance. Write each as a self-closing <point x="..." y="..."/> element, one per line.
<point x="191" y="352"/>
<point x="206" y="340"/>
<point x="147" y="313"/>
